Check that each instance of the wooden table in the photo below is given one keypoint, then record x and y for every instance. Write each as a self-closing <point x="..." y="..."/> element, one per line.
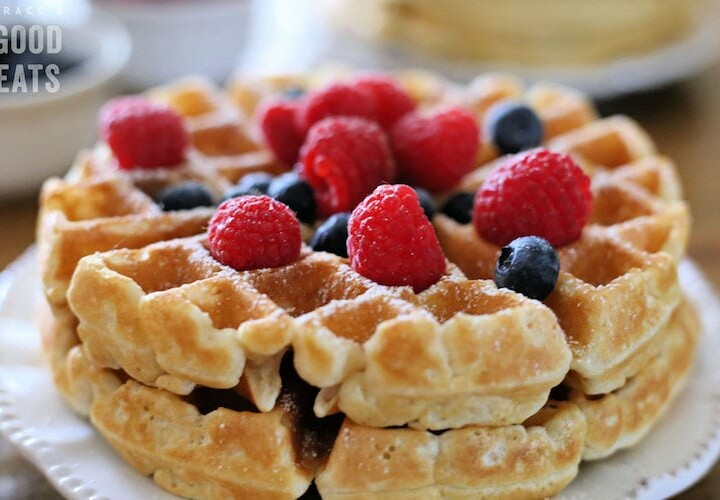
<point x="684" y="120"/>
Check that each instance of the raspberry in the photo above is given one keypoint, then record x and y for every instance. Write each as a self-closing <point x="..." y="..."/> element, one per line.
<point x="343" y="159"/>
<point x="392" y="242"/>
<point x="536" y="193"/>
<point x="142" y="133"/>
<point x="435" y="151"/>
<point x="278" y="123"/>
<point x="338" y="99"/>
<point x="253" y="232"/>
<point x="391" y="101"/>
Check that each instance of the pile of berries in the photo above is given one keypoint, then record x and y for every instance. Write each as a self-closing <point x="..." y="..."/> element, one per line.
<point x="389" y="238"/>
<point x="348" y="138"/>
<point x="347" y="141"/>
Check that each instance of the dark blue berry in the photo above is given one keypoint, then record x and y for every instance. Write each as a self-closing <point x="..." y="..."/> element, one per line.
<point x="254" y="183"/>
<point x="426" y="202"/>
<point x="332" y="235"/>
<point x="528" y="265"/>
<point x="257" y="182"/>
<point x="459" y="207"/>
<point x="297" y="194"/>
<point x="513" y="127"/>
<point x="294" y="92"/>
<point x="185" y="196"/>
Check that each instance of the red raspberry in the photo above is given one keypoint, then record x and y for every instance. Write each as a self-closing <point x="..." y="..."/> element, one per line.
<point x="435" y="151"/>
<point x="252" y="232"/>
<point x="142" y="133"/>
<point x="535" y="193"/>
<point x="391" y="101"/>
<point x="343" y="159"/>
<point x="278" y="122"/>
<point x="338" y="99"/>
<point x="392" y="242"/>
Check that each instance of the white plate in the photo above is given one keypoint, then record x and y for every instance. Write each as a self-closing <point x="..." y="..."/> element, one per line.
<point x="173" y="39"/>
<point x="41" y="133"/>
<point x="679" y="451"/>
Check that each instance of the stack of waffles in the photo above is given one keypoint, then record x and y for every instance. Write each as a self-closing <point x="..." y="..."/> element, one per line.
<point x="310" y="378"/>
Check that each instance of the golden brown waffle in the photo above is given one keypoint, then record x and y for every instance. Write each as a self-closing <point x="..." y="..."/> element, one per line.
<point x="533" y="460"/>
<point x="610" y="313"/>
<point x="622" y="418"/>
<point x="636" y="201"/>
<point x="60" y="344"/>
<point x="211" y="444"/>
<point x="160" y="435"/>
<point x="166" y="349"/>
<point x="636" y="194"/>
<point x="171" y="316"/>
<point x="180" y="441"/>
<point x="96" y="207"/>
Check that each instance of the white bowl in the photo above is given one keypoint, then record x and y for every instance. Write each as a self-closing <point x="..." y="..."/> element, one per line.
<point x="40" y="134"/>
<point x="173" y="39"/>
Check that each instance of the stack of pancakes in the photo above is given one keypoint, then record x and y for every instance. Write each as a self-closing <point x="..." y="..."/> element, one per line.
<point x="527" y="32"/>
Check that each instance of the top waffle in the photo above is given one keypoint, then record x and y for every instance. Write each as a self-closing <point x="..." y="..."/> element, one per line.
<point x="626" y="257"/>
<point x="95" y="196"/>
<point x="97" y="207"/>
<point x="169" y="315"/>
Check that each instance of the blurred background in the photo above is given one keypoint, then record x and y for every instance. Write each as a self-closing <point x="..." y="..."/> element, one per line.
<point x="654" y="60"/>
<point x="60" y="59"/>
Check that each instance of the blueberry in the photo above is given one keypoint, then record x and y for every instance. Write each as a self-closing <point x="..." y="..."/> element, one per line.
<point x="528" y="265"/>
<point x="254" y="183"/>
<point x="426" y="202"/>
<point x="185" y="196"/>
<point x="257" y="182"/>
<point x="294" y="92"/>
<point x="513" y="127"/>
<point x="459" y="207"/>
<point x="297" y="194"/>
<point x="332" y="235"/>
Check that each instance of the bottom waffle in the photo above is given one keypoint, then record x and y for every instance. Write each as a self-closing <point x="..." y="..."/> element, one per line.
<point x="223" y="454"/>
<point x="215" y="444"/>
<point x="623" y="417"/>
<point x="62" y="352"/>
<point x="533" y="460"/>
<point x="227" y="453"/>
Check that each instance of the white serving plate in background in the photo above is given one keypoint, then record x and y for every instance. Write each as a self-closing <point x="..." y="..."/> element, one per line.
<point x="40" y="134"/>
<point x="174" y="39"/>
